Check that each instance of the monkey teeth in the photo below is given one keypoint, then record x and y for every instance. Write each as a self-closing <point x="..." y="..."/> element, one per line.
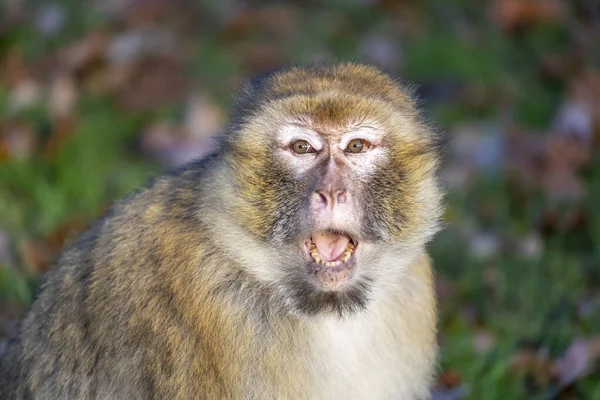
<point x="314" y="253"/>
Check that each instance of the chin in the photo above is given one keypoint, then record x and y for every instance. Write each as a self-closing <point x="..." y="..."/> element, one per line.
<point x="305" y="296"/>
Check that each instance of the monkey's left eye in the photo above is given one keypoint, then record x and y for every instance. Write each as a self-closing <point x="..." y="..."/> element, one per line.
<point x="357" y="146"/>
<point x="302" y="147"/>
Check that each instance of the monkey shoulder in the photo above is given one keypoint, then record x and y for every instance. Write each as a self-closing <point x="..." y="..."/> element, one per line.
<point x="100" y="308"/>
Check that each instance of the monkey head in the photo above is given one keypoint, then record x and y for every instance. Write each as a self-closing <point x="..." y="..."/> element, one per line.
<point x="334" y="182"/>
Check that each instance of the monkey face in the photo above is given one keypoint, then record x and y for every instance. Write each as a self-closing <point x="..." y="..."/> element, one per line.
<point x="336" y="174"/>
<point x="336" y="166"/>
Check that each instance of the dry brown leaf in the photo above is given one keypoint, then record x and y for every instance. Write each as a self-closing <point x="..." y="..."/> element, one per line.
<point x="552" y="162"/>
<point x="178" y="15"/>
<point x="17" y="141"/>
<point x="154" y="81"/>
<point x="512" y="14"/>
<point x="40" y="253"/>
<point x="535" y="364"/>
<point x="15" y="69"/>
<point x="277" y="20"/>
<point x="566" y="221"/>
<point x="565" y="154"/>
<point x="84" y="54"/>
<point x="450" y="378"/>
<point x="568" y="151"/>
<point x="562" y="183"/>
<point x="256" y="58"/>
<point x="37" y="254"/>
<point x="526" y="159"/>
<point x="62" y="129"/>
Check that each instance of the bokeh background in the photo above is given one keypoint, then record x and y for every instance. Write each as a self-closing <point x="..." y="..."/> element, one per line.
<point x="96" y="96"/>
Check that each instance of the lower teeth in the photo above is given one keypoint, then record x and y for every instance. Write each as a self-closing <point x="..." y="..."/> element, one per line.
<point x="314" y="253"/>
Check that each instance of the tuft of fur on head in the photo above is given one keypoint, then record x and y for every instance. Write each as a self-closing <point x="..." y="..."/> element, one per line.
<point x="397" y="188"/>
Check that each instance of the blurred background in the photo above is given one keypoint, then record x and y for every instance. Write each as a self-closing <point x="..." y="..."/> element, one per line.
<point x="96" y="96"/>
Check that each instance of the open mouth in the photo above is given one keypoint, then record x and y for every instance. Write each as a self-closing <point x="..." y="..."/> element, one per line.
<point x="333" y="255"/>
<point x="331" y="249"/>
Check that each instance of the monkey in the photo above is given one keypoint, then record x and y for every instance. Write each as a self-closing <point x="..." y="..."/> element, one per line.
<point x="291" y="263"/>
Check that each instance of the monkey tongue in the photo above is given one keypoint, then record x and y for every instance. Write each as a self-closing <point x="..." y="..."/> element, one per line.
<point x="331" y="247"/>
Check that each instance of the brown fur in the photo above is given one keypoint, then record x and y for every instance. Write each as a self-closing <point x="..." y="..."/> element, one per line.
<point x="164" y="297"/>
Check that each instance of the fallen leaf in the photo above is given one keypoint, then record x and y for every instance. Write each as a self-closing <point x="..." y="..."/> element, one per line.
<point x="258" y="57"/>
<point x="62" y="129"/>
<point x="15" y="69"/>
<point x="17" y="141"/>
<point x="40" y="253"/>
<point x="86" y="52"/>
<point x="154" y="81"/>
<point x="177" y="15"/>
<point x="277" y="21"/>
<point x="525" y="159"/>
<point x="562" y="183"/>
<point x="513" y="14"/>
<point x="535" y="365"/>
<point x="450" y="378"/>
<point x="37" y="254"/>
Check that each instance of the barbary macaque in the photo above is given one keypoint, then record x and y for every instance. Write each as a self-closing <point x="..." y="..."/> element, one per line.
<point x="289" y="264"/>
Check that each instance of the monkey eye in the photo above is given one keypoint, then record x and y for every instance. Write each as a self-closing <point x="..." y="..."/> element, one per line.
<point x="302" y="147"/>
<point x="357" y="146"/>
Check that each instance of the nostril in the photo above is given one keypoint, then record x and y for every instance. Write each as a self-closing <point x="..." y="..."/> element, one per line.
<point x="341" y="197"/>
<point x="320" y="197"/>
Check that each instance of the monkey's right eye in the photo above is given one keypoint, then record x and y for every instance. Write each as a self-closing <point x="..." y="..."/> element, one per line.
<point x="302" y="147"/>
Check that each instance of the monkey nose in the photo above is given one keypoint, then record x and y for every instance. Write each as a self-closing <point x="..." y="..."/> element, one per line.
<point x="326" y="199"/>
